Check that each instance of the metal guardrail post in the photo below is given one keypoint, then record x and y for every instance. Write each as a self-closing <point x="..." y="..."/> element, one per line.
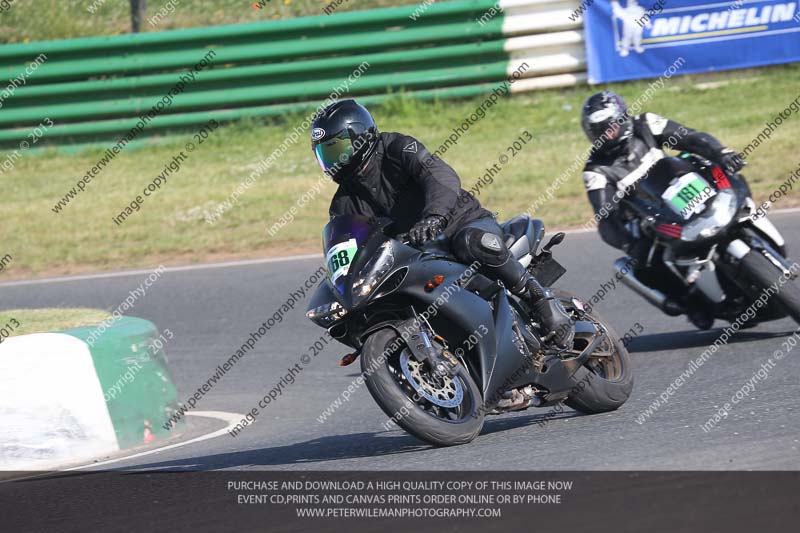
<point x="138" y="12"/>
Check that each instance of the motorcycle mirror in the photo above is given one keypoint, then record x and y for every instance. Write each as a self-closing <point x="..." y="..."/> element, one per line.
<point x="555" y="240"/>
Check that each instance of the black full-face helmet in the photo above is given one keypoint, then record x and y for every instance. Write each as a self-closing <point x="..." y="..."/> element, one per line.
<point x="343" y="137"/>
<point x="605" y="118"/>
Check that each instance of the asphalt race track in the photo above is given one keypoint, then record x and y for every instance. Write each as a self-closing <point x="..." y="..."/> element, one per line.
<point x="212" y="311"/>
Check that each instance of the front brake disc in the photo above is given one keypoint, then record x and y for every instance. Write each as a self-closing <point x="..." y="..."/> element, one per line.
<point x="448" y="393"/>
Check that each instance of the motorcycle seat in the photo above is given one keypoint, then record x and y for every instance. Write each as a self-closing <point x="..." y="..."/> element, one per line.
<point x="522" y="236"/>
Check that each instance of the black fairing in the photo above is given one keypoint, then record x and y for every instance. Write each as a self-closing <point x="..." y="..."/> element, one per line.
<point x="458" y="310"/>
<point x="650" y="188"/>
<point x="738" y="292"/>
<point x="648" y="203"/>
<point x="321" y="296"/>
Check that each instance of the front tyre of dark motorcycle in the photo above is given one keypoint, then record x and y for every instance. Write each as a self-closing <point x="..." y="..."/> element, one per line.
<point x="762" y="273"/>
<point x="441" y="411"/>
<point x="605" y="381"/>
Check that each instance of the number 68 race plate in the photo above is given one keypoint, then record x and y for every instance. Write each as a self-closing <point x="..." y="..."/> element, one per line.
<point x="339" y="258"/>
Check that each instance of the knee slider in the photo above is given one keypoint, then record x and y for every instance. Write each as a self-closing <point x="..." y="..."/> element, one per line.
<point x="487" y="248"/>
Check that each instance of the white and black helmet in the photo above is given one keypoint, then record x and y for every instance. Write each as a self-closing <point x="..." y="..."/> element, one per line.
<point x="605" y="118"/>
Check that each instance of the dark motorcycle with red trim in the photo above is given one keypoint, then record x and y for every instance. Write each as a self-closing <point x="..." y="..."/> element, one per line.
<point x="442" y="346"/>
<point x="712" y="252"/>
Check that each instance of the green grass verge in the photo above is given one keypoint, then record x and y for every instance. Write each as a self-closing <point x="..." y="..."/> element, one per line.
<point x="46" y="320"/>
<point x="170" y="226"/>
<point x="26" y="20"/>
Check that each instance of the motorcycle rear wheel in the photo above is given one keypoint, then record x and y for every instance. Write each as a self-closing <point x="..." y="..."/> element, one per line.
<point x="605" y="381"/>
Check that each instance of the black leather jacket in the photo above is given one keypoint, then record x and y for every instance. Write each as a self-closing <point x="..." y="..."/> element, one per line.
<point x="402" y="180"/>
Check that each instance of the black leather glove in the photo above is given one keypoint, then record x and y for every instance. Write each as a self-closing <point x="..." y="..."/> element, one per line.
<point x="426" y="229"/>
<point x="731" y="161"/>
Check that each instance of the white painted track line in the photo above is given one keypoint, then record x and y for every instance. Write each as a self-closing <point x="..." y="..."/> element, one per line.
<point x="230" y="418"/>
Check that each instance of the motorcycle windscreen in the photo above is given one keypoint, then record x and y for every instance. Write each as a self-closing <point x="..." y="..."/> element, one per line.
<point x="342" y="237"/>
<point x="676" y="185"/>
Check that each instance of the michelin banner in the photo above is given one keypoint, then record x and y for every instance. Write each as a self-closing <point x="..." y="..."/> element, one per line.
<point x="630" y="39"/>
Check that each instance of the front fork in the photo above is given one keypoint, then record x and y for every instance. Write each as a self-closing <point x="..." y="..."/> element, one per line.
<point x="738" y="248"/>
<point x="421" y="344"/>
<point x="422" y="341"/>
<point x="764" y="237"/>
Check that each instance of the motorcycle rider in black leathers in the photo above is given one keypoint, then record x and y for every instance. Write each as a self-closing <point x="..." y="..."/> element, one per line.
<point x="624" y="149"/>
<point x="393" y="175"/>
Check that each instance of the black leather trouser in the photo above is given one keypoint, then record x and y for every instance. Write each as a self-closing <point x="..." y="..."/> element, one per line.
<point x="482" y="240"/>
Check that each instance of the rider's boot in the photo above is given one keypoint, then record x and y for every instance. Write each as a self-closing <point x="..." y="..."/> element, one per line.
<point x="552" y="314"/>
<point x="554" y="318"/>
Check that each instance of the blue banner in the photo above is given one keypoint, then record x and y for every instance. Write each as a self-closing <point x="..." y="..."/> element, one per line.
<point x="627" y="39"/>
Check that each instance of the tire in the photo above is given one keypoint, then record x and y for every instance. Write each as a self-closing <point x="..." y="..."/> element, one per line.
<point x="598" y="389"/>
<point x="379" y="374"/>
<point x="762" y="273"/>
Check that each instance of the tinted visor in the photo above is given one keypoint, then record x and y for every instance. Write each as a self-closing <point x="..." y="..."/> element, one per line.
<point x="334" y="152"/>
<point x="611" y="132"/>
<point x="609" y="129"/>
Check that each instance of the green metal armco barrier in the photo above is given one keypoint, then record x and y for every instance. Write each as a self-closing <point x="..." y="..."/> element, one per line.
<point x="96" y="88"/>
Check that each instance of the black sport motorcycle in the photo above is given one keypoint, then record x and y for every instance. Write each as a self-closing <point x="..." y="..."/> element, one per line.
<point x="442" y="346"/>
<point x="711" y="250"/>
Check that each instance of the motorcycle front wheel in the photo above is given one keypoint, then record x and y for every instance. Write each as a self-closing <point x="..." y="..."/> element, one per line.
<point x="763" y="274"/>
<point x="440" y="411"/>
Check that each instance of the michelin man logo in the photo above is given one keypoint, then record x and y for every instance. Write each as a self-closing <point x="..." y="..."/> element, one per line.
<point x="632" y="28"/>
